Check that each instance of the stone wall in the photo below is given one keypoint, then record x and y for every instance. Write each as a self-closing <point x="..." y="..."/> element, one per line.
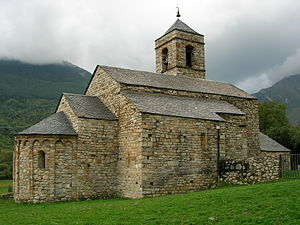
<point x="77" y="167"/>
<point x="175" y="42"/>
<point x="83" y="167"/>
<point x="34" y="182"/>
<point x="240" y="141"/>
<point x="66" y="108"/>
<point x="234" y="138"/>
<point x="141" y="154"/>
<point x="245" y="128"/>
<point x="262" y="168"/>
<point x="130" y="139"/>
<point x="179" y="155"/>
<point x="96" y="156"/>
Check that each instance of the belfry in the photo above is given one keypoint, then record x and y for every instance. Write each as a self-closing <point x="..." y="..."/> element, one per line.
<point x="180" y="51"/>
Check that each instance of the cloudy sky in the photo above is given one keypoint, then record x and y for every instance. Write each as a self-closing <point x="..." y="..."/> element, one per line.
<point x="250" y="43"/>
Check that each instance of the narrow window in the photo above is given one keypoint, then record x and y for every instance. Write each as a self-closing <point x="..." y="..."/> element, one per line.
<point x="41" y="159"/>
<point x="165" y="59"/>
<point x="188" y="55"/>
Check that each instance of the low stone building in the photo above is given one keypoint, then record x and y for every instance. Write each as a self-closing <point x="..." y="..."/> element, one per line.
<point x="139" y="134"/>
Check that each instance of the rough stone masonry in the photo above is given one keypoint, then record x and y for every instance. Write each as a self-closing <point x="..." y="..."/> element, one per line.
<point x="139" y="134"/>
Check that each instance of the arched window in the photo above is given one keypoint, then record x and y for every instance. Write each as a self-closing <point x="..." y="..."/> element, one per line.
<point x="165" y="59"/>
<point x="189" y="55"/>
<point x="41" y="159"/>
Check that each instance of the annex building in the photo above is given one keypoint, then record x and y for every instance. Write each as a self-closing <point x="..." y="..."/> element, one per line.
<point x="139" y="134"/>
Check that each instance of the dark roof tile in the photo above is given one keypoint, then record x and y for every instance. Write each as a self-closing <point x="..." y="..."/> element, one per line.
<point x="267" y="144"/>
<point x="55" y="124"/>
<point x="89" y="107"/>
<point x="181" y="26"/>
<point x="181" y="106"/>
<point x="181" y="83"/>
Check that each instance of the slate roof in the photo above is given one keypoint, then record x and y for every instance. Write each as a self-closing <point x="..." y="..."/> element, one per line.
<point x="181" y="83"/>
<point x="179" y="25"/>
<point x="267" y="144"/>
<point x="181" y="106"/>
<point x="55" y="124"/>
<point x="89" y="107"/>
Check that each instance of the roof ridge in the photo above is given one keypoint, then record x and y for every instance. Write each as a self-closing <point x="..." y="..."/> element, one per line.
<point x="183" y="83"/>
<point x="81" y="95"/>
<point x="160" y="74"/>
<point x="64" y="93"/>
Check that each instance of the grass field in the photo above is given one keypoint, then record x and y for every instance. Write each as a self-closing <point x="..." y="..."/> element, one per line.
<point x="269" y="203"/>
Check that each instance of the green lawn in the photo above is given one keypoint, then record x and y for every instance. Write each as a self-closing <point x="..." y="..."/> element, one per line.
<point x="269" y="203"/>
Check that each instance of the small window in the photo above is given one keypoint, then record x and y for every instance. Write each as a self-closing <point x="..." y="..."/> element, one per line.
<point x="188" y="55"/>
<point x="165" y="59"/>
<point x="41" y="159"/>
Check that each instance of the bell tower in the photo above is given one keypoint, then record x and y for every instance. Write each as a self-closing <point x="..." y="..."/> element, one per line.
<point x="180" y="51"/>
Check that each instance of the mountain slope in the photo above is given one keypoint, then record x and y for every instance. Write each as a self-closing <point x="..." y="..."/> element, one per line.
<point x="18" y="79"/>
<point x="29" y="93"/>
<point x="286" y="91"/>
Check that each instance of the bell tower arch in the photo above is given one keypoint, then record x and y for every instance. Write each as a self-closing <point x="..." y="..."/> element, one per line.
<point x="180" y="51"/>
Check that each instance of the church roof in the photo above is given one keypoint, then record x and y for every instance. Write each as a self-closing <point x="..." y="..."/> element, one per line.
<point x="267" y="144"/>
<point x="181" y="26"/>
<point x="181" y="106"/>
<point x="55" y="124"/>
<point x="181" y="83"/>
<point x="89" y="107"/>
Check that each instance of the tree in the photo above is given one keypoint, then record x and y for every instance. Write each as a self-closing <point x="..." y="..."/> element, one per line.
<point x="274" y="123"/>
<point x="272" y="114"/>
<point x="5" y="164"/>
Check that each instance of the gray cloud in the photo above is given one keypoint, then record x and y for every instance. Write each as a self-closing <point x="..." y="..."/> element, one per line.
<point x="290" y="66"/>
<point x="249" y="43"/>
<point x="253" y="47"/>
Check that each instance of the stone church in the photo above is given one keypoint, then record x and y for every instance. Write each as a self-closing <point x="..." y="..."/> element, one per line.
<point x="138" y="134"/>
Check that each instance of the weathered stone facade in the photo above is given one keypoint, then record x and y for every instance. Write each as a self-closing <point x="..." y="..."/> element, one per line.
<point x="138" y="134"/>
<point x="96" y="155"/>
<point x="76" y="167"/>
<point x="179" y="155"/>
<point x="55" y="181"/>
<point x="265" y="167"/>
<point x="171" y="53"/>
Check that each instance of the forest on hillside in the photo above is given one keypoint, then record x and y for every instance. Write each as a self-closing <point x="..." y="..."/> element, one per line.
<point x="17" y="114"/>
<point x="30" y="93"/>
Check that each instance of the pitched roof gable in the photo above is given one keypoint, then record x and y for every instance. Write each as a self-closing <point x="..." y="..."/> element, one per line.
<point x="181" y="26"/>
<point x="56" y="124"/>
<point x="180" y="83"/>
<point x="181" y="106"/>
<point x="89" y="107"/>
<point x="267" y="144"/>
